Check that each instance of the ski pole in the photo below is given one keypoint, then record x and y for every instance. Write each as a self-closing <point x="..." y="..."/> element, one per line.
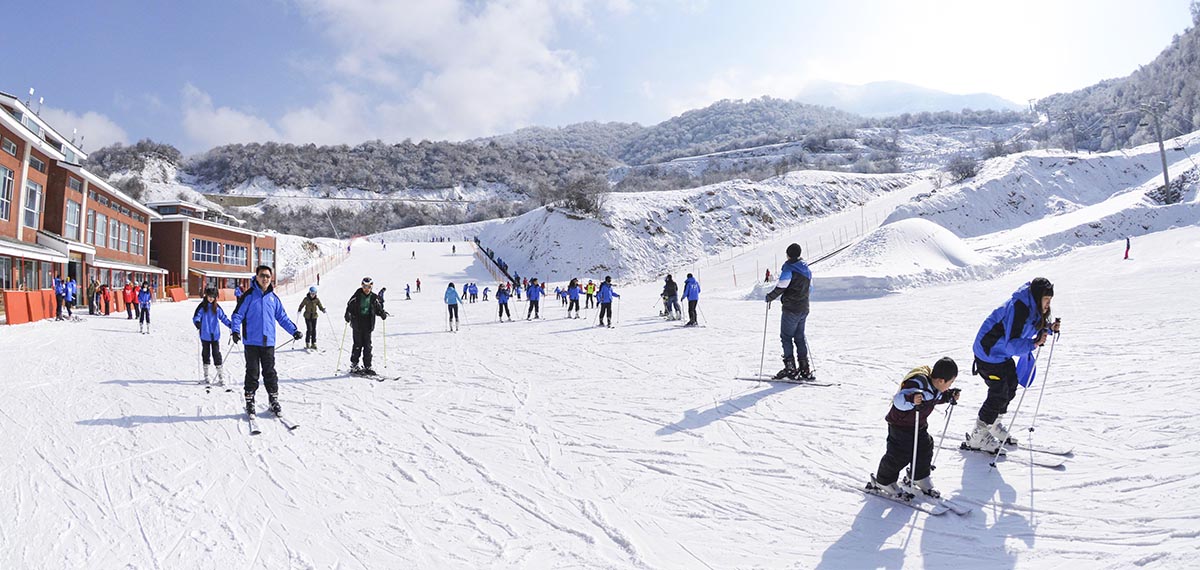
<point x="199" y="357"/>
<point x="1045" y="377"/>
<point x="762" y="359"/>
<point x="341" y="346"/>
<point x="384" y="342"/>
<point x="912" y="467"/>
<point x="942" y="439"/>
<point x="329" y="322"/>
<point x="618" y="310"/>
<point x="1000" y="445"/>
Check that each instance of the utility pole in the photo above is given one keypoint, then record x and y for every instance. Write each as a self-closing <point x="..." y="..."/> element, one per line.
<point x="1156" y="110"/>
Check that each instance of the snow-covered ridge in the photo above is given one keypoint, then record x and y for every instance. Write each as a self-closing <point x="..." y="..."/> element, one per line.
<point x="643" y="233"/>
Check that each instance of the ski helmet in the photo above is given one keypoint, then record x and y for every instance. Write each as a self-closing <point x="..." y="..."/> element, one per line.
<point x="367" y="281"/>
<point x="313" y="289"/>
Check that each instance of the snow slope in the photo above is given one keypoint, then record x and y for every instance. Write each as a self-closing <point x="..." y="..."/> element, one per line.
<point x="552" y="444"/>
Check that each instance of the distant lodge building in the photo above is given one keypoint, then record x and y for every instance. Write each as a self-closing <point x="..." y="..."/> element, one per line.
<point x="201" y="249"/>
<point x="56" y="218"/>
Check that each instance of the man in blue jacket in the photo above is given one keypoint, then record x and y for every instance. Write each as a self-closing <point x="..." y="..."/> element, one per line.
<point x="257" y="312"/>
<point x="60" y="291"/>
<point x="604" y="296"/>
<point x="691" y="292"/>
<point x="795" y="285"/>
<point x="70" y="291"/>
<point x="1014" y="329"/>
<point x="534" y="291"/>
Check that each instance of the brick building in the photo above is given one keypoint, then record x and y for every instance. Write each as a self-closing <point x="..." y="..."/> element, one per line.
<point x="200" y="248"/>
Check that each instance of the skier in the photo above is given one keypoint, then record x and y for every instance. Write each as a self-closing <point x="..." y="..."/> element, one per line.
<point x="1126" y="248"/>
<point x="208" y="318"/>
<point x="921" y="390"/>
<point x="106" y="295"/>
<point x="310" y="304"/>
<point x="605" y="296"/>
<point x="1015" y="328"/>
<point x="143" y="303"/>
<point x="534" y="292"/>
<point x="361" y="310"/>
<point x="70" y="292"/>
<point x="128" y="296"/>
<point x="767" y="279"/>
<point x="92" y="287"/>
<point x="485" y="293"/>
<point x="691" y="292"/>
<point x="590" y="290"/>
<point x="257" y="312"/>
<point x="60" y="291"/>
<point x="418" y="285"/>
<point x="670" y="303"/>
<point x="452" y="300"/>
<point x="573" y="291"/>
<point x="454" y="249"/>
<point x="502" y="300"/>
<point x="414" y="254"/>
<point x="407" y="292"/>
<point x="795" y="285"/>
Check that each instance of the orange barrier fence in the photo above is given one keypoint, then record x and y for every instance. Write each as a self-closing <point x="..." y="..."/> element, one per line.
<point x="17" y="305"/>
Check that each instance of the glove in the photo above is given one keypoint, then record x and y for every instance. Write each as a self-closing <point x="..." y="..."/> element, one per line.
<point x="235" y="337"/>
<point x="347" y="318"/>
<point x="197" y="325"/>
<point x="297" y="335"/>
<point x="323" y="310"/>
<point x="384" y="315"/>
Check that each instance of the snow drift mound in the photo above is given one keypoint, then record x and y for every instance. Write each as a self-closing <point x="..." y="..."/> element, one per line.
<point x="644" y="233"/>
<point x="897" y="256"/>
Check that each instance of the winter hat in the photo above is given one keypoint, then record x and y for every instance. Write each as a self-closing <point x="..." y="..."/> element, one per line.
<point x="946" y="369"/>
<point x="312" y="289"/>
<point x="451" y="286"/>
<point x="793" y="251"/>
<point x="1041" y="287"/>
<point x="668" y="277"/>
<point x="689" y="276"/>
<point x="367" y="281"/>
<point x="210" y="292"/>
<point x="607" y="279"/>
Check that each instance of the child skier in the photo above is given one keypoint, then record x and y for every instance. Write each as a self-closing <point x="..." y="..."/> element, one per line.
<point x="502" y="300"/>
<point x="143" y="303"/>
<point x="534" y="292"/>
<point x="921" y="390"/>
<point x="208" y="318"/>
<point x="573" y="291"/>
<point x="670" y="293"/>
<point x="310" y="304"/>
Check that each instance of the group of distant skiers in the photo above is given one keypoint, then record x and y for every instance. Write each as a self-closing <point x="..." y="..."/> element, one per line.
<point x="100" y="300"/>
<point x="1014" y="330"/>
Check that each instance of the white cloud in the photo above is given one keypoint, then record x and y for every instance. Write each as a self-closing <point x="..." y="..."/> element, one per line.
<point x="731" y="83"/>
<point x="212" y="126"/>
<point x="96" y="130"/>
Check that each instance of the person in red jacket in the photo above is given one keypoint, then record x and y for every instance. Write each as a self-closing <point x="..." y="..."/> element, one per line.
<point x="129" y="295"/>
<point x="106" y="295"/>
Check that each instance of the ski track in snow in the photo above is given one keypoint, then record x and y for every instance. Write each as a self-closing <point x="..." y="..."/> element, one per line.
<point x="555" y="445"/>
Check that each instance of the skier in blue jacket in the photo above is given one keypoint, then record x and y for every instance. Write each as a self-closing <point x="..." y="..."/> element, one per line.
<point x="257" y="312"/>
<point x="604" y="296"/>
<point x="691" y="292"/>
<point x="502" y="300"/>
<point x="208" y="318"/>
<point x="795" y="286"/>
<point x="534" y="292"/>
<point x="60" y="292"/>
<point x="144" y="297"/>
<point x="70" y="292"/>
<point x="452" y="300"/>
<point x="1014" y="329"/>
<point x="573" y="292"/>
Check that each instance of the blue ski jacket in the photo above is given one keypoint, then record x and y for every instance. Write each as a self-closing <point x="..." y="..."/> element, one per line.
<point x="606" y="293"/>
<point x="795" y="286"/>
<point x="256" y="315"/>
<point x="534" y="292"/>
<point x="210" y="321"/>
<point x="451" y="296"/>
<point x="59" y="289"/>
<point x="573" y="292"/>
<point x="69" y="291"/>
<point x="502" y="296"/>
<point x="691" y="289"/>
<point x="144" y="297"/>
<point x="1011" y="329"/>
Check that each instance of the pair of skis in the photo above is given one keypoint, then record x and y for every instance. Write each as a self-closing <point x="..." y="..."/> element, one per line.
<point x="800" y="381"/>
<point x="936" y="506"/>
<point x="1048" y="457"/>
<point x="254" y="429"/>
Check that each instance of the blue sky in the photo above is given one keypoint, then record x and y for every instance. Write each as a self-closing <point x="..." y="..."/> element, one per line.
<point x="199" y="74"/>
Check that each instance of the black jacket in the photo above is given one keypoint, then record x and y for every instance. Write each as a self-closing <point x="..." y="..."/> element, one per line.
<point x="362" y="319"/>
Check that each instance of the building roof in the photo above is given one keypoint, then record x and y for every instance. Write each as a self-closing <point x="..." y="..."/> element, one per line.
<point x="15" y="102"/>
<point x="189" y="205"/>
<point x="23" y="131"/>
<point x="27" y="250"/>
<point x="184" y="218"/>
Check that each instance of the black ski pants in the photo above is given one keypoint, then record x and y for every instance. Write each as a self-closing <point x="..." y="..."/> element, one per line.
<point x="533" y="310"/>
<point x="588" y="303"/>
<point x="692" y="312"/>
<point x="900" y="453"/>
<point x="310" y="330"/>
<point x="1001" y="380"/>
<point x="144" y="315"/>
<point x="211" y="350"/>
<point x="453" y="312"/>
<point x="573" y="306"/>
<point x="606" y="309"/>
<point x="504" y="311"/>
<point x="261" y="358"/>
<point x="362" y="346"/>
<point x="58" y="306"/>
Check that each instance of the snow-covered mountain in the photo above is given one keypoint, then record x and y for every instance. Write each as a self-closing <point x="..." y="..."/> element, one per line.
<point x="891" y="98"/>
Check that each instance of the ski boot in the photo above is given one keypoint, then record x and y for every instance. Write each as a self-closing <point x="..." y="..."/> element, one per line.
<point x="207" y="378"/>
<point x="314" y="346"/>
<point x="141" y="329"/>
<point x="355" y="368"/>
<point x="220" y="376"/>
<point x="981" y="439"/>
<point x="250" y="403"/>
<point x="273" y="404"/>
<point x="789" y="369"/>
<point x="803" y="372"/>
<point x="1000" y="431"/>
<point x="892" y="490"/>
<point x="925" y="486"/>
<point x="367" y="371"/>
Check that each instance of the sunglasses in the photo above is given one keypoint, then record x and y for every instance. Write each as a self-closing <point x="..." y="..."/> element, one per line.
<point x="264" y="275"/>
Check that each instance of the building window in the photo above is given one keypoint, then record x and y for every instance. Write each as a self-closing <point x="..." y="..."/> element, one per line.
<point x="114" y="234"/>
<point x="72" y="220"/>
<point x="139" y="242"/>
<point x="167" y="210"/>
<point x="6" y="192"/>
<point x="47" y="273"/>
<point x="101" y="230"/>
<point x="235" y="255"/>
<point x="37" y="164"/>
<point x="6" y="281"/>
<point x="33" y="203"/>
<point x="205" y="251"/>
<point x="265" y="256"/>
<point x="75" y="184"/>
<point x="89" y="232"/>
<point x="125" y="238"/>
<point x="10" y="147"/>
